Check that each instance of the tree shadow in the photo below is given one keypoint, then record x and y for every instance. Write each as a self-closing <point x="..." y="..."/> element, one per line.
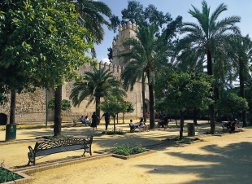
<point x="230" y="164"/>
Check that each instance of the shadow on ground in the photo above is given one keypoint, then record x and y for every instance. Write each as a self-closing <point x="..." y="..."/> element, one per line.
<point x="230" y="164"/>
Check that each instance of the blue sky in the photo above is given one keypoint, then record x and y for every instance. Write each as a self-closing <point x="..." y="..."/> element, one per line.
<point x="241" y="8"/>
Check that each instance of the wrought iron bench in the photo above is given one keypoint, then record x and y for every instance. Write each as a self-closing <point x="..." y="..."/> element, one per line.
<point x="136" y="126"/>
<point x="49" y="147"/>
<point x="230" y="126"/>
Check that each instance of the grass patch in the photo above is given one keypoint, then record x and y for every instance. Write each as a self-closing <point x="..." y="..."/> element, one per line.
<point x="6" y="175"/>
<point x="111" y="132"/>
<point x="57" y="137"/>
<point x="128" y="150"/>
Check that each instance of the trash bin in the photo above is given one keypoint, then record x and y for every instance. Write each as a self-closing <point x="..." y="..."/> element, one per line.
<point x="191" y="129"/>
<point x="3" y="119"/>
<point x="10" y="132"/>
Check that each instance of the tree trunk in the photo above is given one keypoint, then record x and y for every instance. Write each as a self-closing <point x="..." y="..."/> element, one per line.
<point x="143" y="98"/>
<point x="181" y="125"/>
<point x="123" y="117"/>
<point x="211" y="107"/>
<point x="97" y="108"/>
<point x="57" y="110"/>
<point x="117" y="118"/>
<point x="114" y="123"/>
<point x="12" y="107"/>
<point x="195" y="113"/>
<point x="242" y="91"/>
<point x="151" y="98"/>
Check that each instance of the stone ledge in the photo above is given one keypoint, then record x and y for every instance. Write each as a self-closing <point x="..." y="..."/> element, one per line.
<point x="23" y="180"/>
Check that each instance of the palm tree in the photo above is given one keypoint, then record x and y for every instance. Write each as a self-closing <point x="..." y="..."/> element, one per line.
<point x="241" y="54"/>
<point x="93" y="16"/>
<point x="208" y="35"/>
<point x="100" y="83"/>
<point x="129" y="78"/>
<point x="146" y="53"/>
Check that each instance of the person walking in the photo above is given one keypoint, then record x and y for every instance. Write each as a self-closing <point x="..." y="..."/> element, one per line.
<point x="94" y="121"/>
<point x="107" y="119"/>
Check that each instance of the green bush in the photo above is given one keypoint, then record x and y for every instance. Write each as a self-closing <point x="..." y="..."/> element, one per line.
<point x="65" y="104"/>
<point x="6" y="175"/>
<point x="57" y="137"/>
<point x="127" y="150"/>
<point x="117" y="132"/>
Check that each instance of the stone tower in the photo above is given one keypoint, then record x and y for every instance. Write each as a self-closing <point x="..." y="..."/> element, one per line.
<point x="125" y="31"/>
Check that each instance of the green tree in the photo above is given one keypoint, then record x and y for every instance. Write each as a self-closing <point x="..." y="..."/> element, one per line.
<point x="44" y="43"/>
<point x="240" y="53"/>
<point x="135" y="12"/>
<point x="100" y="83"/>
<point x="65" y="104"/>
<point x="147" y="53"/>
<point x="114" y="106"/>
<point x="230" y="103"/>
<point x="145" y="17"/>
<point x="209" y="35"/>
<point x="94" y="16"/>
<point x="184" y="91"/>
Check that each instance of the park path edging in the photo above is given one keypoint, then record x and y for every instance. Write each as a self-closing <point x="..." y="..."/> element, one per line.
<point x="25" y="178"/>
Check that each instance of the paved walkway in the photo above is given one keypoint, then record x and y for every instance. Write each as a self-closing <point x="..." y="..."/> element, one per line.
<point x="27" y="137"/>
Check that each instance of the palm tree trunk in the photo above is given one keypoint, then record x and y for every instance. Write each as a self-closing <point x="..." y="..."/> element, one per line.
<point x="143" y="98"/>
<point x="57" y="110"/>
<point x="242" y="91"/>
<point x="98" y="110"/>
<point x="151" y="98"/>
<point x="211" y="107"/>
<point x="181" y="130"/>
<point x="12" y="107"/>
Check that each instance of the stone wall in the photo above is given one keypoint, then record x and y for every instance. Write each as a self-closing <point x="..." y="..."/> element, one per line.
<point x="30" y="106"/>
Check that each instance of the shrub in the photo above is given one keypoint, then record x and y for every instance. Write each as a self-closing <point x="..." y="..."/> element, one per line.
<point x="127" y="150"/>
<point x="57" y="137"/>
<point x="65" y="104"/>
<point x="117" y="132"/>
<point x="6" y="175"/>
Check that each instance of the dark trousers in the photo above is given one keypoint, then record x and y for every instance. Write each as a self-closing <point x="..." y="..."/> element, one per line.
<point x="106" y="124"/>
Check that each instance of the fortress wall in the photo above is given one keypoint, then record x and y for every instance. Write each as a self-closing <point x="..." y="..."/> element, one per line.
<point x="30" y="106"/>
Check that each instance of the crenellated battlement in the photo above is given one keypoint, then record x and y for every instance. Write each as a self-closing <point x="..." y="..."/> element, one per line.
<point x="114" y="68"/>
<point x="125" y="31"/>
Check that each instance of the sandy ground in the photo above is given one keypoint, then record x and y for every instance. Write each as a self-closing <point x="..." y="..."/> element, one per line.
<point x="216" y="159"/>
<point x="226" y="159"/>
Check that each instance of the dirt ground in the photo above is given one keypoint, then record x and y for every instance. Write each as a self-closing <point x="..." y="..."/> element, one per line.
<point x="215" y="159"/>
<point x="225" y="159"/>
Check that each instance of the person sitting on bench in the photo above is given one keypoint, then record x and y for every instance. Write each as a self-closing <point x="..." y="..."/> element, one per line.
<point x="132" y="126"/>
<point x="142" y="125"/>
<point x="85" y="120"/>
